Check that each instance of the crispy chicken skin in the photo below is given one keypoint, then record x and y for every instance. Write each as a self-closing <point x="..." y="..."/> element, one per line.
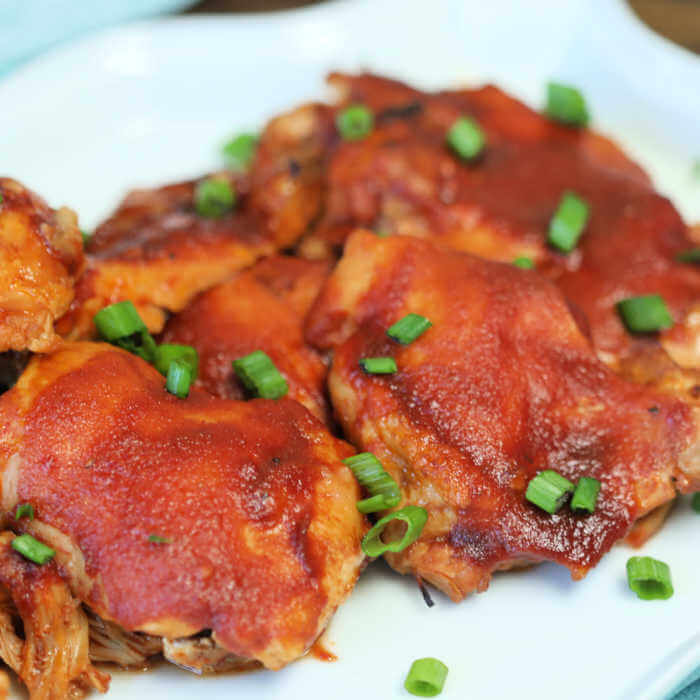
<point x="158" y="252"/>
<point x="502" y="386"/>
<point x="403" y="178"/>
<point x="264" y="536"/>
<point x="263" y="308"/>
<point x="41" y="253"/>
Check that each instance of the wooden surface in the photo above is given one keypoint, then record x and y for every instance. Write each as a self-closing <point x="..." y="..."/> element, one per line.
<point x="678" y="20"/>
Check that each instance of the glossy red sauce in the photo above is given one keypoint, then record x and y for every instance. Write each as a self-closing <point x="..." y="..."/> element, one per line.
<point x="109" y="458"/>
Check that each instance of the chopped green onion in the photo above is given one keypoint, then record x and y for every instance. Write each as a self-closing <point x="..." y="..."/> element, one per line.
<point x="378" y="365"/>
<point x="566" y="104"/>
<point x="689" y="256"/>
<point x="426" y="678"/>
<point x="585" y="495"/>
<point x="409" y="328"/>
<point x="240" y="150"/>
<point x="649" y="578"/>
<point x="568" y="222"/>
<point x="32" y="549"/>
<point x="368" y="470"/>
<point x="179" y="378"/>
<point x="415" y="518"/>
<point x="382" y="232"/>
<point x="1" y="197"/>
<point x="86" y="237"/>
<point x="548" y="490"/>
<point x="466" y="138"/>
<point x="260" y="376"/>
<point x="24" y="510"/>
<point x="213" y="198"/>
<point x="157" y="539"/>
<point x="354" y="122"/>
<point x="524" y="263"/>
<point x="645" y="314"/>
<point x="167" y="353"/>
<point x="695" y="502"/>
<point x="120" y="324"/>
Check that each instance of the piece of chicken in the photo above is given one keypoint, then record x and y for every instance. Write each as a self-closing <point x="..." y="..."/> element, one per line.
<point x="263" y="308"/>
<point x="41" y="253"/>
<point x="158" y="252"/>
<point x="503" y="385"/>
<point x="262" y="534"/>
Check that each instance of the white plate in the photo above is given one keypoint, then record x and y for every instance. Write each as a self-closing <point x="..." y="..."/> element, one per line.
<point x="153" y="101"/>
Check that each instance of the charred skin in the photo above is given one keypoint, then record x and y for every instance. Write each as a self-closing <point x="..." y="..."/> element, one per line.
<point x="258" y="508"/>
<point x="502" y="386"/>
<point x="263" y="308"/>
<point x="41" y="254"/>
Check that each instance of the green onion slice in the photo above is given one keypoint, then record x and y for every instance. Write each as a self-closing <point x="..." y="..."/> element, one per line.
<point x="157" y="539"/>
<point x="415" y="518"/>
<point x="548" y="490"/>
<point x="524" y="263"/>
<point x="649" y="578"/>
<point x="260" y="376"/>
<point x="568" y="222"/>
<point x="566" y="104"/>
<point x="426" y="678"/>
<point x="695" y="502"/>
<point x="121" y="325"/>
<point x="409" y="328"/>
<point x="378" y="365"/>
<point x="179" y="378"/>
<point x="166" y="354"/>
<point x="586" y="495"/>
<point x="32" y="549"/>
<point x="24" y="510"/>
<point x="689" y="256"/>
<point x="86" y="237"/>
<point x="466" y="138"/>
<point x="354" y="122"/>
<point x="240" y="150"/>
<point x="645" y="314"/>
<point x="213" y="198"/>
<point x="368" y="470"/>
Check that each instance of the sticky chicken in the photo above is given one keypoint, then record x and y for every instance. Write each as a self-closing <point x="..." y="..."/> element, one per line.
<point x="503" y="386"/>
<point x="172" y="518"/>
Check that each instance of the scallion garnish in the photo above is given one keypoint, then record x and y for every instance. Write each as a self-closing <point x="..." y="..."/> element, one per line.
<point x="695" y="502"/>
<point x="354" y="122"/>
<point x="157" y="539"/>
<point x="32" y="549"/>
<point x="369" y="471"/>
<point x="86" y="237"/>
<point x="120" y="324"/>
<point x="689" y="256"/>
<point x="466" y="138"/>
<point x="378" y="365"/>
<point x="409" y="328"/>
<point x="586" y="495"/>
<point x="239" y="151"/>
<point x="426" y="678"/>
<point x="179" y="378"/>
<point x="649" y="578"/>
<point x="166" y="354"/>
<point x="213" y="198"/>
<point x="566" y="104"/>
<point x="24" y="510"/>
<point x="415" y="518"/>
<point x="260" y="376"/>
<point x="548" y="490"/>
<point x="524" y="263"/>
<point x="568" y="222"/>
<point x="645" y="314"/>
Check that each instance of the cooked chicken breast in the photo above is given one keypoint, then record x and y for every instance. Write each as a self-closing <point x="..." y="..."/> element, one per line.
<point x="503" y="385"/>
<point x="263" y="308"/>
<point x="158" y="252"/>
<point x="262" y="535"/>
<point x="41" y="253"/>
